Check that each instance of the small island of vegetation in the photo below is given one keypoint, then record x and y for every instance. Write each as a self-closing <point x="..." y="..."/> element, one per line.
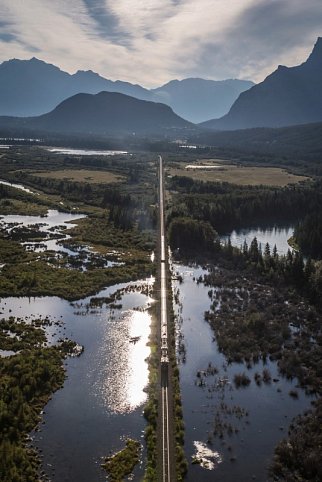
<point x="121" y="464"/>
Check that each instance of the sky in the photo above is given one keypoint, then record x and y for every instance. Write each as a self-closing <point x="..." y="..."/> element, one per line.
<point x="153" y="41"/>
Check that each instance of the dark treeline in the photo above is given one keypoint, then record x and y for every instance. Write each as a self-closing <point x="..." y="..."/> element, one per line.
<point x="6" y="191"/>
<point x="290" y="268"/>
<point x="91" y="161"/>
<point x="294" y="142"/>
<point x="308" y="235"/>
<point x="228" y="207"/>
<point x="114" y="197"/>
<point x="190" y="235"/>
<point x="121" y="207"/>
<point x="188" y="185"/>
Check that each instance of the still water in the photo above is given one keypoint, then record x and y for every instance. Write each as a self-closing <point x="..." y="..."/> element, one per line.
<point x="18" y="186"/>
<point x="256" y="418"/>
<point x="53" y="224"/>
<point x="272" y="235"/>
<point x="102" y="400"/>
<point x="83" y="152"/>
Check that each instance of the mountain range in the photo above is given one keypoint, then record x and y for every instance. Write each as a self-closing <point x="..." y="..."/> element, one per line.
<point x="289" y="96"/>
<point x="102" y="114"/>
<point x="197" y="99"/>
<point x="33" y="87"/>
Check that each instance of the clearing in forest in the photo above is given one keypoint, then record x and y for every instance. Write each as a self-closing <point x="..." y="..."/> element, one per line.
<point x="236" y="174"/>
<point x="82" y="175"/>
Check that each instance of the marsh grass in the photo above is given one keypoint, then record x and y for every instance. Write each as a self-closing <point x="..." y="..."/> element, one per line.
<point x="241" y="380"/>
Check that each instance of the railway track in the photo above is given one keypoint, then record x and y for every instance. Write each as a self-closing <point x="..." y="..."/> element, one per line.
<point x="166" y="469"/>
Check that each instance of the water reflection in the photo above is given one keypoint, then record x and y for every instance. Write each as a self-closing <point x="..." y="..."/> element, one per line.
<point x="139" y="352"/>
<point x="234" y="424"/>
<point x="53" y="224"/>
<point x="207" y="458"/>
<point x="53" y="219"/>
<point x="6" y="353"/>
<point x="123" y="364"/>
<point x="83" y="152"/>
<point x="101" y="401"/>
<point x="271" y="235"/>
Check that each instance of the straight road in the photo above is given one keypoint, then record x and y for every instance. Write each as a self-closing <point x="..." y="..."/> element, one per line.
<point x="166" y="471"/>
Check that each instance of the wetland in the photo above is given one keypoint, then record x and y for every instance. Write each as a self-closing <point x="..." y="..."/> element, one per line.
<point x="76" y="279"/>
<point x="233" y="377"/>
<point x="77" y="304"/>
<point x="248" y="320"/>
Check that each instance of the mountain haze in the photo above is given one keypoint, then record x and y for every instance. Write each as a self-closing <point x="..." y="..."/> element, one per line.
<point x="33" y="87"/>
<point x="101" y="114"/>
<point x="289" y="96"/>
<point x="200" y="99"/>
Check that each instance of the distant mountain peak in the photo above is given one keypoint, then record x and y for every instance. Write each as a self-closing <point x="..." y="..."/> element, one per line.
<point x="28" y="64"/>
<point x="288" y="96"/>
<point x="87" y="73"/>
<point x="34" y="61"/>
<point x="316" y="55"/>
<point x="104" y="113"/>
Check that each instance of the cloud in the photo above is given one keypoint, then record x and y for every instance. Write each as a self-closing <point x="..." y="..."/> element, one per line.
<point x="269" y="33"/>
<point x="153" y="41"/>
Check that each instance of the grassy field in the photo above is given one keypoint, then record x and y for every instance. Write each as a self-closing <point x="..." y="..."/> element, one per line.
<point x="82" y="175"/>
<point x="242" y="175"/>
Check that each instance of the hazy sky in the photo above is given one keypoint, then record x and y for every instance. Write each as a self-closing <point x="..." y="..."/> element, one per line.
<point x="153" y="41"/>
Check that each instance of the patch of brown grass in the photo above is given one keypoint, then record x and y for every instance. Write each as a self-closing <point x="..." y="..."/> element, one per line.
<point x="242" y="175"/>
<point x="82" y="175"/>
